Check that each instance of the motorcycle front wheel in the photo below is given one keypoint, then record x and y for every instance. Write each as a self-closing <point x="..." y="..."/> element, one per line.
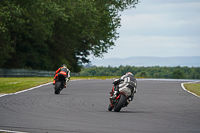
<point x="57" y="87"/>
<point x="110" y="107"/>
<point x="120" y="103"/>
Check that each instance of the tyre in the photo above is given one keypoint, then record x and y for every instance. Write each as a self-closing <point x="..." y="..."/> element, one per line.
<point x="110" y="108"/>
<point x="120" y="103"/>
<point x="57" y="87"/>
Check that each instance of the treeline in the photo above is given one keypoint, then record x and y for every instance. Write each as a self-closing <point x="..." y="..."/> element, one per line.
<point x="44" y="34"/>
<point x="145" y="72"/>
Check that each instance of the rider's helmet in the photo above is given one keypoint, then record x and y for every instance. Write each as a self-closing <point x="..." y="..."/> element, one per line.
<point x="128" y="73"/>
<point x="64" y="65"/>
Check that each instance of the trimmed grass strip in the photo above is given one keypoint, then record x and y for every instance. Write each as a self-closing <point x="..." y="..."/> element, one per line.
<point x="12" y="85"/>
<point x="193" y="87"/>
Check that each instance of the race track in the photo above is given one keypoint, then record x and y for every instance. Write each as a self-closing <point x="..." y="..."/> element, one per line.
<point x="159" y="106"/>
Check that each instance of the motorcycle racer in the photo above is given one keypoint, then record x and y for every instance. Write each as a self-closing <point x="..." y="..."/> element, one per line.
<point x="128" y="77"/>
<point x="62" y="70"/>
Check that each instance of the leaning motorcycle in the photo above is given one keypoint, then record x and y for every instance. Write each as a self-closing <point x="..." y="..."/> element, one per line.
<point x="122" y="98"/>
<point x="60" y="82"/>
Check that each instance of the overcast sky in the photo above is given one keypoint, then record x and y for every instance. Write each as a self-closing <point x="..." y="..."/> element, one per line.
<point x="159" y="28"/>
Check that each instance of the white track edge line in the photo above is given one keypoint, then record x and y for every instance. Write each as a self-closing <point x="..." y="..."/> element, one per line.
<point x="182" y="85"/>
<point x="9" y="131"/>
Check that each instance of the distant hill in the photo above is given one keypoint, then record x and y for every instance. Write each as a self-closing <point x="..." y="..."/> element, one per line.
<point x="149" y="61"/>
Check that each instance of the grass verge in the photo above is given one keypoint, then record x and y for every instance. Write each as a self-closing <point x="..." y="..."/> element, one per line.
<point x="12" y="85"/>
<point x="193" y="87"/>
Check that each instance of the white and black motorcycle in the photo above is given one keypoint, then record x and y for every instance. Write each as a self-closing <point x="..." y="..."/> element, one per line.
<point x="122" y="97"/>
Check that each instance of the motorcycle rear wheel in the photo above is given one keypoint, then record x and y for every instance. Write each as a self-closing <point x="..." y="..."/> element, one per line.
<point x="57" y="87"/>
<point x="120" y="103"/>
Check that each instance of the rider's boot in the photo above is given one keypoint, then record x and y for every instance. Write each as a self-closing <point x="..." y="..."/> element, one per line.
<point x="131" y="96"/>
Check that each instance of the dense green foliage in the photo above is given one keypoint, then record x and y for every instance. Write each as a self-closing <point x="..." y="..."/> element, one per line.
<point x="43" y="34"/>
<point x="145" y="72"/>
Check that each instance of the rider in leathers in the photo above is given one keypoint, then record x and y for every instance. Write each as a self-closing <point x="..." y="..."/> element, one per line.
<point x="128" y="76"/>
<point x="64" y="69"/>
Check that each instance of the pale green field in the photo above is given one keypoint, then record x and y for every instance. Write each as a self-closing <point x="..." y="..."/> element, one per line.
<point x="12" y="85"/>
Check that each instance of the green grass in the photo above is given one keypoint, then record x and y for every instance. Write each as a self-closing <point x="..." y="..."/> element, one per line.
<point x="193" y="87"/>
<point x="12" y="85"/>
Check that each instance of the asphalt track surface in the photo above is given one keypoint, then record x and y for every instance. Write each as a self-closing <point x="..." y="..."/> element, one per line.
<point x="159" y="106"/>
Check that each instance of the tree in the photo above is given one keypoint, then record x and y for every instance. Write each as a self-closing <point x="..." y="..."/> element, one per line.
<point x="143" y="74"/>
<point x="178" y="74"/>
<point x="28" y="24"/>
<point x="43" y="34"/>
<point x="10" y="15"/>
